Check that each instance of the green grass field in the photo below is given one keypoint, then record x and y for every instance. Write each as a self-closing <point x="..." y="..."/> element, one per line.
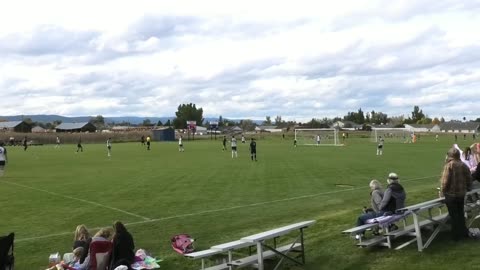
<point x="47" y="192"/>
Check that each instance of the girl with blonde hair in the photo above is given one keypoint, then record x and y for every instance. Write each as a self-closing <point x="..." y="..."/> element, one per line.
<point x="82" y="239"/>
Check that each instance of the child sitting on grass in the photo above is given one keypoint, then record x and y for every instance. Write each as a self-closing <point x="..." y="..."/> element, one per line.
<point x="72" y="265"/>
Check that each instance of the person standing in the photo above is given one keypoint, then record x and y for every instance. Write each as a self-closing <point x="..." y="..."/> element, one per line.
<point x="142" y="140"/>
<point x="79" y="145"/>
<point x="380" y="146"/>
<point x="318" y="140"/>
<point x="224" y="143"/>
<point x="233" y="144"/>
<point x="3" y="158"/>
<point x="295" y="142"/>
<point x="25" y="143"/>
<point x="180" y="145"/>
<point x="109" y="147"/>
<point x="148" y="142"/>
<point x="243" y="139"/>
<point x="456" y="180"/>
<point x="253" y="149"/>
<point x="57" y="142"/>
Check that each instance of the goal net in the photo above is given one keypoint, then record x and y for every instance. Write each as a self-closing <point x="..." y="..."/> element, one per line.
<point x="401" y="135"/>
<point x="317" y="136"/>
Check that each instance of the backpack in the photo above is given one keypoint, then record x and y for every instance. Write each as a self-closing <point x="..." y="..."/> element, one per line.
<point x="182" y="243"/>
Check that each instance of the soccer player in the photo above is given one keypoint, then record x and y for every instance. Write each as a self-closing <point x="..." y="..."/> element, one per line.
<point x="57" y="142"/>
<point x="25" y="143"/>
<point x="148" y="142"/>
<point x="436" y="137"/>
<point x="343" y="136"/>
<point x="109" y="147"/>
<point x="253" y="149"/>
<point x="380" y="146"/>
<point x="234" y="146"/>
<point x="294" y="142"/>
<point x="224" y="143"/>
<point x="180" y="145"/>
<point x="142" y="140"/>
<point x="79" y="145"/>
<point x="3" y="158"/>
<point x="318" y="140"/>
<point x="243" y="139"/>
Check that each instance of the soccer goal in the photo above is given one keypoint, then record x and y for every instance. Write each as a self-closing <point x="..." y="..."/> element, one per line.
<point x="401" y="135"/>
<point x="310" y="136"/>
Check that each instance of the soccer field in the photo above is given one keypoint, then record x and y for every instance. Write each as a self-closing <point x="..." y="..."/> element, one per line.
<point x="47" y="192"/>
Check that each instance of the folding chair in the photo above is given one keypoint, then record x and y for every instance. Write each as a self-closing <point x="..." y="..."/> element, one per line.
<point x="100" y="255"/>
<point x="6" y="252"/>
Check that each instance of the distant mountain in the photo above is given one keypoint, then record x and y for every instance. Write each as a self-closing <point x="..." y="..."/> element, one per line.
<point x="50" y="118"/>
<point x="46" y="118"/>
<point x="134" y="120"/>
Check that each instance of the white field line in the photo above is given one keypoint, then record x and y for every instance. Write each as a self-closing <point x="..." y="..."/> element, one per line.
<point x="78" y="199"/>
<point x="222" y="209"/>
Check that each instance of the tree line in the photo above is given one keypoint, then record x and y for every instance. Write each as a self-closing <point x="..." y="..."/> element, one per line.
<point x="190" y="112"/>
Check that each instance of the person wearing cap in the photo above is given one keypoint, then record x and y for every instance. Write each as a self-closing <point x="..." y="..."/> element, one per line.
<point x="456" y="180"/>
<point x="394" y="195"/>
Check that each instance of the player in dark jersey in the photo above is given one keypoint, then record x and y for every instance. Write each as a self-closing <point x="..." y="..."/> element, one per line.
<point x="253" y="149"/>
<point x="79" y="145"/>
<point x="224" y="143"/>
<point x="25" y="143"/>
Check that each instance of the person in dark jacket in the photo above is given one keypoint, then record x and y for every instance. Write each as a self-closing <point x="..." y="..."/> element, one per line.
<point x="455" y="182"/>
<point x="123" y="247"/>
<point x="394" y="195"/>
<point x="476" y="173"/>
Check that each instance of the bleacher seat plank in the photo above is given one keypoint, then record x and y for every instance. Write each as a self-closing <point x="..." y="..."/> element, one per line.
<point x="373" y="241"/>
<point x="203" y="253"/>
<point x="266" y="254"/>
<point x="411" y="228"/>
<point x="360" y="229"/>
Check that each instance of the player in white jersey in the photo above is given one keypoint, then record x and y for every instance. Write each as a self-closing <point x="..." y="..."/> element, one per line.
<point x="57" y="142"/>
<point x="109" y="147"/>
<point x="380" y="146"/>
<point x="3" y="158"/>
<point x="234" y="146"/>
<point x="180" y="145"/>
<point x="318" y="139"/>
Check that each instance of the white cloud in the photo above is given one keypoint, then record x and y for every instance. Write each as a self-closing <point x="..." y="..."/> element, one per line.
<point x="300" y="59"/>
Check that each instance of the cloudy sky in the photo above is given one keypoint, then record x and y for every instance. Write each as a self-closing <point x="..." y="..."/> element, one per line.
<point x="240" y="59"/>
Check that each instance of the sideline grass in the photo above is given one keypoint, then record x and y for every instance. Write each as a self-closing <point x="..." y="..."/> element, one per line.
<point x="204" y="192"/>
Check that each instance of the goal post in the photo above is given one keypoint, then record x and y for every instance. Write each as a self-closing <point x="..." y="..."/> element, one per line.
<point x="402" y="135"/>
<point x="317" y="136"/>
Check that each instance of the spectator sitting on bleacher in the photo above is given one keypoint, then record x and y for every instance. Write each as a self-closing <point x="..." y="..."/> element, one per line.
<point x="376" y="196"/>
<point x="456" y="181"/>
<point x="394" y="196"/>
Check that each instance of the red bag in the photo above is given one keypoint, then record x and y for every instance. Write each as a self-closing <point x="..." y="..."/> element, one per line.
<point x="182" y="243"/>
